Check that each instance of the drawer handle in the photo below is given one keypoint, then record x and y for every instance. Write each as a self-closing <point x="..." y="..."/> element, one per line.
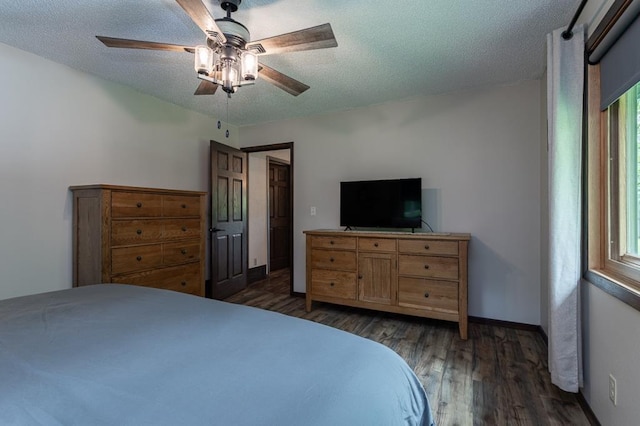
<point x="183" y="251"/>
<point x="184" y="206"/>
<point x="332" y="284"/>
<point x="375" y="244"/>
<point x="426" y="294"/>
<point x="426" y="246"/>
<point x="184" y="283"/>
<point x="359" y="277"/>
<point x="426" y="266"/>
<point x="138" y="205"/>
<point x="331" y="259"/>
<point x="139" y="258"/>
<point x="184" y="229"/>
<point x="139" y="232"/>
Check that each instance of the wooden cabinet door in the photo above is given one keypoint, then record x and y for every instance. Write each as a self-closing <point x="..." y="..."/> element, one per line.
<point x="377" y="277"/>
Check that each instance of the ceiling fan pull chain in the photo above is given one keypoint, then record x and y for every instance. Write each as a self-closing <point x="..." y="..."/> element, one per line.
<point x="227" y="132"/>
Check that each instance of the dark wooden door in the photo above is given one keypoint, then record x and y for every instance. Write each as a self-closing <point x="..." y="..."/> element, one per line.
<point x="228" y="220"/>
<point x="279" y="215"/>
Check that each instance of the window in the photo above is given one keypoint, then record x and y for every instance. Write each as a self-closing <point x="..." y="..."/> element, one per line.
<point x="623" y="179"/>
<point x="613" y="154"/>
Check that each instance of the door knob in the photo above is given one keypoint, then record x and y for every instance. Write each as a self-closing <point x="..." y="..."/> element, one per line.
<point x="215" y="229"/>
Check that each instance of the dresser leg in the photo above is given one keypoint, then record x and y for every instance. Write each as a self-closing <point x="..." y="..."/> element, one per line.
<point x="462" y="325"/>
<point x="309" y="302"/>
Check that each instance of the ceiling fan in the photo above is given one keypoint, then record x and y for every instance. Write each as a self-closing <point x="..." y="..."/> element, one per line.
<point x="229" y="59"/>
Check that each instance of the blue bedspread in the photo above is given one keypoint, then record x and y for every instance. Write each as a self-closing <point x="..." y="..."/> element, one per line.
<point x="124" y="355"/>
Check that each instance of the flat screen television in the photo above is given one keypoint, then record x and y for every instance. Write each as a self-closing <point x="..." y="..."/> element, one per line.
<point x="395" y="203"/>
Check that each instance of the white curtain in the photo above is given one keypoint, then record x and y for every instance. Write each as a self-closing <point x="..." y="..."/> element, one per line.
<point x="565" y="91"/>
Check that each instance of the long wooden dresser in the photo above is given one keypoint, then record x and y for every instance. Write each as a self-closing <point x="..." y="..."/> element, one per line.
<point x="141" y="236"/>
<point x="415" y="274"/>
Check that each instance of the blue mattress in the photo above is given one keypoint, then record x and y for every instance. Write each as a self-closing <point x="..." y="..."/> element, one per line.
<point x="115" y="354"/>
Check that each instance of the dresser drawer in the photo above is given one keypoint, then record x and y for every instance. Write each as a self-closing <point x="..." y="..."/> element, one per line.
<point x="333" y="259"/>
<point x="180" y="252"/>
<point x="428" y="266"/>
<point x="347" y="243"/>
<point x="333" y="283"/>
<point x="377" y="244"/>
<point x="431" y="294"/>
<point x="135" y="231"/>
<point x="180" y="205"/>
<point x="184" y="278"/>
<point x="134" y="204"/>
<point x="428" y="247"/>
<point x="181" y="228"/>
<point x="129" y="259"/>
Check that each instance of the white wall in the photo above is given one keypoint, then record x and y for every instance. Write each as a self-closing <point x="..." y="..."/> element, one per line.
<point x="257" y="209"/>
<point x="612" y="346"/>
<point x="259" y="205"/>
<point x="478" y="154"/>
<point x="60" y="127"/>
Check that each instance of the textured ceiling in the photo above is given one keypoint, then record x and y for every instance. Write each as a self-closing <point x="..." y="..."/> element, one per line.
<point x="386" y="50"/>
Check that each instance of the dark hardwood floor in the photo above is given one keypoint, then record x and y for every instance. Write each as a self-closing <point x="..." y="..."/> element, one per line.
<point x="497" y="377"/>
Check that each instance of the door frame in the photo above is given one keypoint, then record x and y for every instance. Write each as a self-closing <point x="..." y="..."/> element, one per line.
<point x="277" y="147"/>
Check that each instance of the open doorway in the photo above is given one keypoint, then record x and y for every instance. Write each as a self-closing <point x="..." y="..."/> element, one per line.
<point x="279" y="214"/>
<point x="270" y="213"/>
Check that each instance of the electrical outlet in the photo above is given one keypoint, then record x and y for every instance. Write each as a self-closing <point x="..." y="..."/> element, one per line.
<point x="613" y="390"/>
<point x="313" y="210"/>
<point x="255" y="261"/>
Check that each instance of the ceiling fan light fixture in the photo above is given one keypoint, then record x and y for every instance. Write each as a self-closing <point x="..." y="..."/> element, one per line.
<point x="203" y="60"/>
<point x="230" y="59"/>
<point x="249" y="65"/>
<point x="229" y="76"/>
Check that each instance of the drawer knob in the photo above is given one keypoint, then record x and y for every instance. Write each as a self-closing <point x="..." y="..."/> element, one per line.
<point x="138" y="205"/>
<point x="375" y="244"/>
<point x="331" y="259"/>
<point x="139" y="232"/>
<point x="139" y="258"/>
<point x="184" y="283"/>
<point x="426" y="294"/>
<point x="331" y="242"/>
<point x="184" y="229"/>
<point x="426" y="246"/>
<point x="359" y="277"/>
<point x="426" y="266"/>
<point x="332" y="284"/>
<point x="184" y="206"/>
<point x="183" y="251"/>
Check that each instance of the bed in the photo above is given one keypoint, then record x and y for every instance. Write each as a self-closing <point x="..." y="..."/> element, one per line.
<point x="128" y="355"/>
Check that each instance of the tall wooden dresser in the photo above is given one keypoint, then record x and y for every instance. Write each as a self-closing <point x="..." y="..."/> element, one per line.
<point x="142" y="236"/>
<point x="414" y="274"/>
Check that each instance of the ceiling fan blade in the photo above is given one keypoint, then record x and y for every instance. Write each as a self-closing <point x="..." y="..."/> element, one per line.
<point x="286" y="83"/>
<point x="206" y="88"/>
<point x="200" y="15"/>
<point x="319" y="37"/>
<point x="139" y="44"/>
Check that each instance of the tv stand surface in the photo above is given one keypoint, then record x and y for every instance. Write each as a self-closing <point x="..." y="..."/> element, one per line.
<point x="402" y="233"/>
<point x="420" y="274"/>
